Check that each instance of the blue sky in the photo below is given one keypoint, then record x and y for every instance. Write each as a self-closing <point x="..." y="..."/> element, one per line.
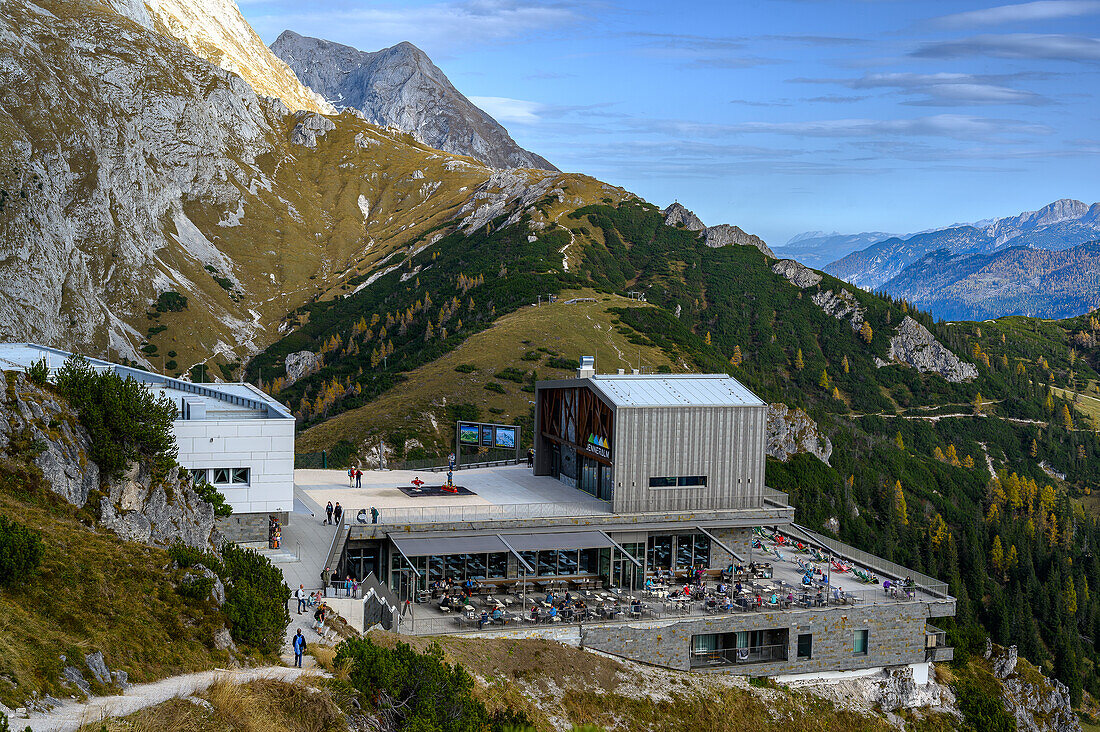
<point x="780" y="117"/>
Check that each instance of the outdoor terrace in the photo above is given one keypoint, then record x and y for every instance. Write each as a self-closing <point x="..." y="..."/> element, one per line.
<point x="499" y="493"/>
<point x="776" y="571"/>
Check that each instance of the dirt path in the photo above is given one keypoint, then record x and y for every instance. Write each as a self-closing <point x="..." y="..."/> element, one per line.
<point x="69" y="717"/>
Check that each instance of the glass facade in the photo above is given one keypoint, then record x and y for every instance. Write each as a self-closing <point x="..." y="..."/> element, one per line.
<point x="691" y="550"/>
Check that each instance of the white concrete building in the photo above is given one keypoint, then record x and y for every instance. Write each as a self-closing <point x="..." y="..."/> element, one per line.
<point x="233" y="436"/>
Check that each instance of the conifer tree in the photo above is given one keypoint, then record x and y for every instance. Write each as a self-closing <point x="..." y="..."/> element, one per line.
<point x="899" y="441"/>
<point x="844" y="363"/>
<point x="798" y="362"/>
<point x="866" y="332"/>
<point x="900" y="511"/>
<point x="1067" y="419"/>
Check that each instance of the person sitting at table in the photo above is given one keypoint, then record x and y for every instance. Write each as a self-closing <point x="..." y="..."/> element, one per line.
<point x="820" y="598"/>
<point x="774" y="600"/>
<point x="649" y="584"/>
<point x="445" y="601"/>
<point x="567" y="597"/>
<point x="482" y="619"/>
<point x="549" y="598"/>
<point x="617" y="609"/>
<point x="836" y="593"/>
<point x="552" y="615"/>
<point x="498" y="616"/>
<point x="535" y="613"/>
<point x="790" y="598"/>
<point x="721" y="589"/>
<point x="737" y="587"/>
<point x="759" y="600"/>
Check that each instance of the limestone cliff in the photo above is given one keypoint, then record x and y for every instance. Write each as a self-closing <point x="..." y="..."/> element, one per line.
<point x="40" y="428"/>
<point x="715" y="236"/>
<point x="913" y="344"/>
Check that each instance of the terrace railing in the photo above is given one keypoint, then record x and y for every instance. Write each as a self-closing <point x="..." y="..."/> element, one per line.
<point x="882" y="567"/>
<point x="734" y="656"/>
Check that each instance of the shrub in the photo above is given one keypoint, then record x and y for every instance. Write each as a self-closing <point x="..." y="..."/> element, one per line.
<point x="125" y="421"/>
<point x="494" y="387"/>
<point x="186" y="557"/>
<point x="465" y="368"/>
<point x="171" y="302"/>
<point x="532" y="356"/>
<point x="214" y="497"/>
<point x="512" y="374"/>
<point x="196" y="588"/>
<point x="20" y="552"/>
<point x="420" y="691"/>
<point x="39" y="372"/>
<point x="566" y="364"/>
<point x="255" y="599"/>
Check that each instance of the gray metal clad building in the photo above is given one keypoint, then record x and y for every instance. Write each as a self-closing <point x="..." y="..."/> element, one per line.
<point x="653" y="442"/>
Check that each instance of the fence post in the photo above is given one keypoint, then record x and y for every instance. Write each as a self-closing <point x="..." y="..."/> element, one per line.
<point x="324" y="459"/>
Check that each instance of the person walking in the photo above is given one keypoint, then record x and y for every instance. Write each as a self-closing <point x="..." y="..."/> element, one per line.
<point x="358" y="478"/>
<point x="328" y="513"/>
<point x="300" y="595"/>
<point x="373" y="515"/>
<point x="337" y="512"/>
<point x="299" y="648"/>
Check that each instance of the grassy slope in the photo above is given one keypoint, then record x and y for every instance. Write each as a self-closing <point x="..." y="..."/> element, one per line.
<point x="569" y="330"/>
<point x="93" y="592"/>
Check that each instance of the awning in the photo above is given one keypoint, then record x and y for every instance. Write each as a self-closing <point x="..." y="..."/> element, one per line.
<point x="559" y="540"/>
<point x="436" y="545"/>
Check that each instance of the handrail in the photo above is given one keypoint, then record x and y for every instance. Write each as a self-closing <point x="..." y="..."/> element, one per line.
<point x="326" y="571"/>
<point x="894" y="571"/>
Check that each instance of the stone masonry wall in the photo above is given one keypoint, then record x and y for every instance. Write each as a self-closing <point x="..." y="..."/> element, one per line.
<point x="896" y="636"/>
<point x="247" y="527"/>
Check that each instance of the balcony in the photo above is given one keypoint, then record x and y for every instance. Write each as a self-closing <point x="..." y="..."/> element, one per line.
<point x="738" y="656"/>
<point x="935" y="645"/>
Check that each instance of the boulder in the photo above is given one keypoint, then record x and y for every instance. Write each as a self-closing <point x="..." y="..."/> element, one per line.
<point x="796" y="273"/>
<point x="121" y="679"/>
<point x="72" y="676"/>
<point x="791" y="431"/>
<point x="98" y="668"/>
<point x="913" y="344"/>
<point x="223" y="641"/>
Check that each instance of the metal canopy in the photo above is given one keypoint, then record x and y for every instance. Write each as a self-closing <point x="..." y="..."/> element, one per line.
<point x="422" y="547"/>
<point x="674" y="390"/>
<point x="559" y="540"/>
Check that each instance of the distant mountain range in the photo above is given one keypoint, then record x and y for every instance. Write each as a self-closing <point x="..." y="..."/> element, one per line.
<point x="1059" y="225"/>
<point x="401" y="87"/>
<point x="1016" y="264"/>
<point x="1014" y="281"/>
<point x="817" y="248"/>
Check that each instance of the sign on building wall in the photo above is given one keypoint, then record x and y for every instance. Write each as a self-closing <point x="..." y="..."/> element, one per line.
<point x="598" y="446"/>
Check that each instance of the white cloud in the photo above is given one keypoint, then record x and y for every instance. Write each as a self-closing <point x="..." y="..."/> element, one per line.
<point x="1017" y="45"/>
<point x="504" y="109"/>
<point x="956" y="126"/>
<point x="1020" y="13"/>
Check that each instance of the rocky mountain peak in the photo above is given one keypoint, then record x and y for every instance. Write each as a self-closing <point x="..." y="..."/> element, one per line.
<point x="216" y="31"/>
<point x="678" y="215"/>
<point x="716" y="236"/>
<point x="400" y="87"/>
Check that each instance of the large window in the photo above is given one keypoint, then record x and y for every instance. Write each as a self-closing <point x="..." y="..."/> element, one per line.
<point x="460" y="567"/>
<point x="660" y="552"/>
<point x="230" y="476"/>
<point x="681" y="481"/>
<point x="859" y="644"/>
<point x="198" y="477"/>
<point x="692" y="550"/>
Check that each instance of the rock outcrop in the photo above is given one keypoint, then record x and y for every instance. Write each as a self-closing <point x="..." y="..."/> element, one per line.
<point x="300" y="364"/>
<point x="726" y="235"/>
<point x="716" y="236"/>
<point x="677" y="215"/>
<point x="310" y="126"/>
<point x="796" y="273"/>
<point x="400" y="87"/>
<point x="842" y="305"/>
<point x="38" y="426"/>
<point x="915" y="345"/>
<point x="1037" y="703"/>
<point x="791" y="431"/>
<point x="890" y="690"/>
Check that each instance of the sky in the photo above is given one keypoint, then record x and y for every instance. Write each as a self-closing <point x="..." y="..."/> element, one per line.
<point x="780" y="117"/>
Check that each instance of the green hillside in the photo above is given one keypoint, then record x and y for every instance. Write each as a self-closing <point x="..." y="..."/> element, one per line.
<point x="910" y="473"/>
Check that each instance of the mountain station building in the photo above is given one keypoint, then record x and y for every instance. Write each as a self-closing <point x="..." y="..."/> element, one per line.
<point x="233" y="436"/>
<point x="636" y="478"/>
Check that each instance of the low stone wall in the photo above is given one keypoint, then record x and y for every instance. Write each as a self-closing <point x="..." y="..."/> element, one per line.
<point x="246" y="527"/>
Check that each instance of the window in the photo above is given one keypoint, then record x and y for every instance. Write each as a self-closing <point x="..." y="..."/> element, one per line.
<point x="231" y="476"/>
<point x="198" y="477"/>
<point x="662" y="482"/>
<point x="498" y="565"/>
<point x="660" y="552"/>
<point x="692" y="550"/>
<point x="806" y="645"/>
<point x="589" y="560"/>
<point x="690" y="481"/>
<point x="859" y="646"/>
